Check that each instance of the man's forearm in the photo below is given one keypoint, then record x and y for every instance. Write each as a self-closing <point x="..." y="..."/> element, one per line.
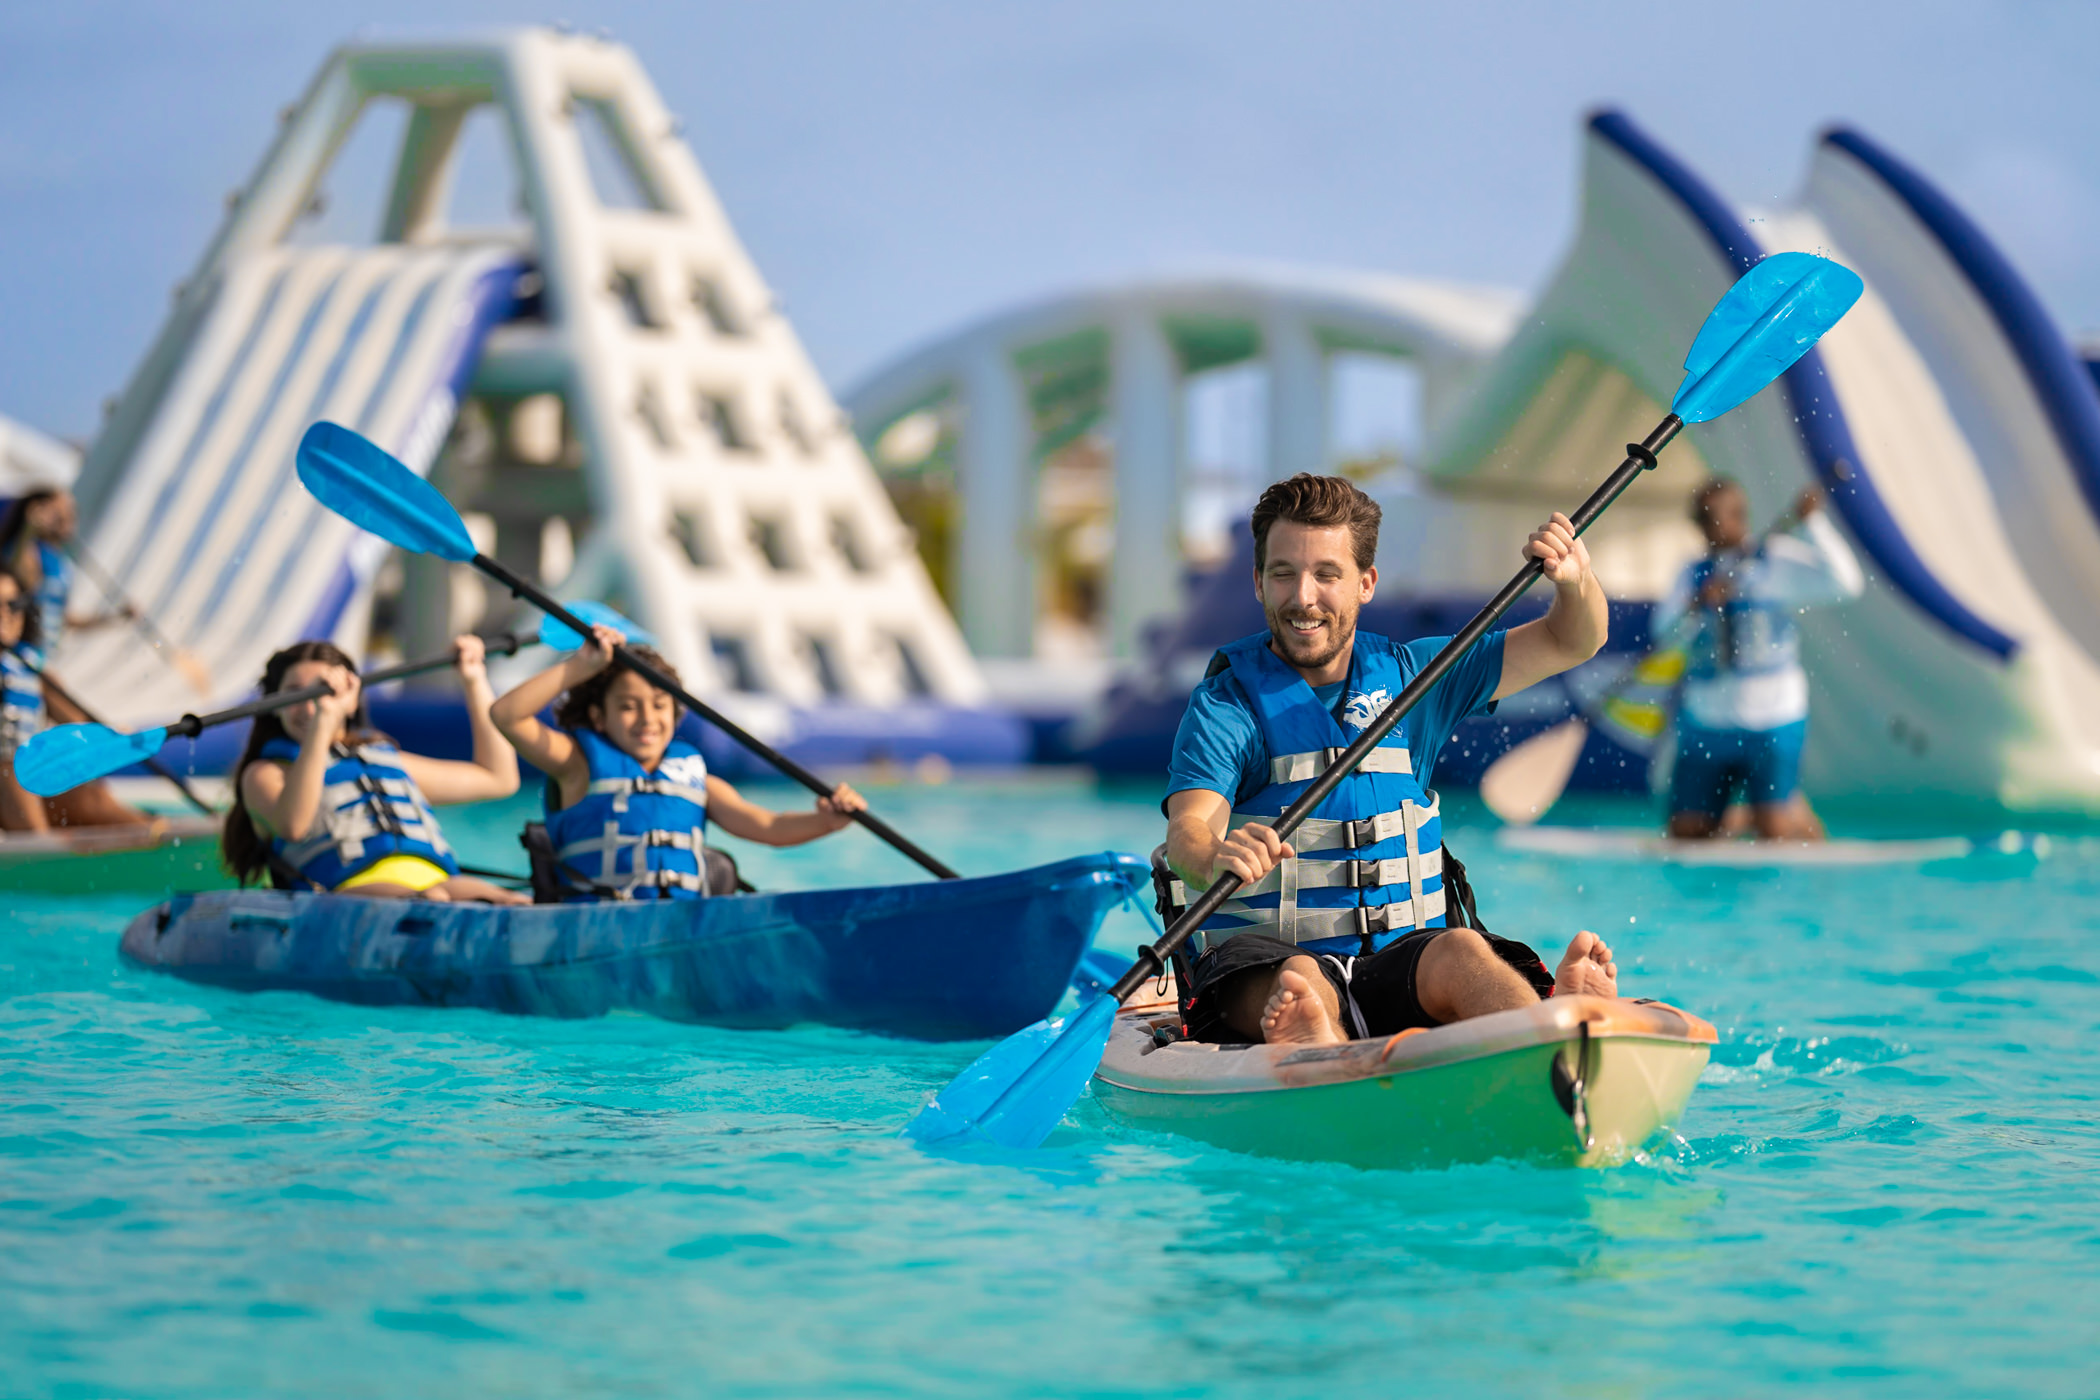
<point x="1579" y="620"/>
<point x="1192" y="847"/>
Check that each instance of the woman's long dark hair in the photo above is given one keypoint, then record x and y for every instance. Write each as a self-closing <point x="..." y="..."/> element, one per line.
<point x="245" y="850"/>
<point x="16" y="521"/>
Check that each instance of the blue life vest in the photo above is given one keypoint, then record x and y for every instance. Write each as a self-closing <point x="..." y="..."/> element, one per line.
<point x="21" y="697"/>
<point x="638" y="833"/>
<point x="52" y="592"/>
<point x="370" y="809"/>
<point x="1747" y="635"/>
<point x="1370" y="862"/>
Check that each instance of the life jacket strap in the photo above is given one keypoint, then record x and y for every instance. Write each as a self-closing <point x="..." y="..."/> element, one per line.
<point x="1312" y="925"/>
<point x="1304" y="767"/>
<point x="620" y="789"/>
<point x="1320" y="834"/>
<point x="1345" y="874"/>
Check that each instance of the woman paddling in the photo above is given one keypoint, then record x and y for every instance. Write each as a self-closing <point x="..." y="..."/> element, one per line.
<point x="21" y="701"/>
<point x="628" y="801"/>
<point x="35" y="534"/>
<point x="322" y="803"/>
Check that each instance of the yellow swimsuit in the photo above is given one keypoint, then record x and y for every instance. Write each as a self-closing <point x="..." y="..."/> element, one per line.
<point x="414" y="872"/>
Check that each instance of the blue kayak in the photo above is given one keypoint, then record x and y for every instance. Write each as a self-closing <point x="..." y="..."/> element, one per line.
<point x="940" y="960"/>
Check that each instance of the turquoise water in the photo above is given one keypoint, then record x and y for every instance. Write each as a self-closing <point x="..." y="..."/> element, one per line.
<point x="1885" y="1185"/>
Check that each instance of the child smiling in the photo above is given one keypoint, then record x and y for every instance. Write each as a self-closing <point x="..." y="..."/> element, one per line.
<point x="628" y="801"/>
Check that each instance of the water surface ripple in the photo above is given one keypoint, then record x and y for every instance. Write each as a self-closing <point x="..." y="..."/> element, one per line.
<point x="1884" y="1187"/>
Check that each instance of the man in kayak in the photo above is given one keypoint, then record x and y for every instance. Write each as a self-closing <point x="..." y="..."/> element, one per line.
<point x="1342" y="932"/>
<point x="1743" y="716"/>
<point x="628" y="801"/>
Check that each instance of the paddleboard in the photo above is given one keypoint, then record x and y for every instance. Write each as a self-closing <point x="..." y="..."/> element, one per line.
<point x="1594" y="843"/>
<point x="178" y="853"/>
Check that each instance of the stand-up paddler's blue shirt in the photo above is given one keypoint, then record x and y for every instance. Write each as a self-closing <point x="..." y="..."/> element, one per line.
<point x="1383" y="876"/>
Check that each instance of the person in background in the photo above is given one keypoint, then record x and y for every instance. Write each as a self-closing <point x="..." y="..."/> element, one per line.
<point x="1743" y="715"/>
<point x="322" y="803"/>
<point x="628" y="801"/>
<point x="21" y="702"/>
<point x="33" y="539"/>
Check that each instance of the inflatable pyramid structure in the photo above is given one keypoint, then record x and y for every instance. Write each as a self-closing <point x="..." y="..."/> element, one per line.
<point x="605" y="386"/>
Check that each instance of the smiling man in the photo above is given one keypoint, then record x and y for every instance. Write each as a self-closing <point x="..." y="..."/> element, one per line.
<point x="1343" y="932"/>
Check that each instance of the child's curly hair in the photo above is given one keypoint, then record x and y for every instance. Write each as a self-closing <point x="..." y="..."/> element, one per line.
<point x="573" y="710"/>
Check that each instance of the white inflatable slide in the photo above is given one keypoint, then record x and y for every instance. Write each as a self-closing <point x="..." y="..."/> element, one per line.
<point x="211" y="535"/>
<point x="1956" y="432"/>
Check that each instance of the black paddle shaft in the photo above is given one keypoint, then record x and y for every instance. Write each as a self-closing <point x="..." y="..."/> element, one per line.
<point x="1640" y="457"/>
<point x="519" y="588"/>
<point x="506" y="644"/>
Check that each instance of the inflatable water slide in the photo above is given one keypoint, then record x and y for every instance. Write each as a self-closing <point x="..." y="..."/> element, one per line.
<point x="605" y="385"/>
<point x="1955" y="430"/>
<point x="218" y="541"/>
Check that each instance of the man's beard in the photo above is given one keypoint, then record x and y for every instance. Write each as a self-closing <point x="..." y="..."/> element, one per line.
<point x="1318" y="650"/>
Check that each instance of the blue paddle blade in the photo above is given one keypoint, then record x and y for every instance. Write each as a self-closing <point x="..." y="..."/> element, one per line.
<point x="61" y="759"/>
<point x="1020" y="1089"/>
<point x="367" y="486"/>
<point x="1770" y="318"/>
<point x="562" y="637"/>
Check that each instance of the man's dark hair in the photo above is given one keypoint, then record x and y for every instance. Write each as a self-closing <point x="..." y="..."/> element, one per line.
<point x="1702" y="499"/>
<point x="1319" y="501"/>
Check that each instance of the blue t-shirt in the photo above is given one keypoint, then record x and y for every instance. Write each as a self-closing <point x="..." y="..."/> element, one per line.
<point x="1219" y="745"/>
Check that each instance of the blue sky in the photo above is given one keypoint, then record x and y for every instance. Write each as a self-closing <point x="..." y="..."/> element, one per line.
<point x="899" y="168"/>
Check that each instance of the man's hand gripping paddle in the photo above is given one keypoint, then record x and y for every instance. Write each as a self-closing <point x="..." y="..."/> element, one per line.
<point x="364" y="484"/>
<point x="63" y="757"/>
<point x="1021" y="1088"/>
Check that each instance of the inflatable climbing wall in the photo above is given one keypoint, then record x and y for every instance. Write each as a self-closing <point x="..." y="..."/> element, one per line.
<point x="605" y="385"/>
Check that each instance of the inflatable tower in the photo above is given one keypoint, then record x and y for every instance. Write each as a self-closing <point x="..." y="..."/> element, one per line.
<point x="606" y="387"/>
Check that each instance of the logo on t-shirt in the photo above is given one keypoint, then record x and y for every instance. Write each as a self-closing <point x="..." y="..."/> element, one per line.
<point x="1362" y="709"/>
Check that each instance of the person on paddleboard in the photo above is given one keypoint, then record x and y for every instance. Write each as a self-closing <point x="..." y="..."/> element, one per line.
<point x="323" y="803"/>
<point x="628" y="801"/>
<point x="1743" y="716"/>
<point x="34" y="536"/>
<point x="21" y="700"/>
<point x="1350" y="929"/>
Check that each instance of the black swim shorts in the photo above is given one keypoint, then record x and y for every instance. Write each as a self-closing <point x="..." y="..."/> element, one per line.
<point x="1377" y="991"/>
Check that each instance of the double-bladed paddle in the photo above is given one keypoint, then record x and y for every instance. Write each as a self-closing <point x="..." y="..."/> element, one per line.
<point x="63" y="757"/>
<point x="366" y="485"/>
<point x="159" y="769"/>
<point x="1020" y="1089"/>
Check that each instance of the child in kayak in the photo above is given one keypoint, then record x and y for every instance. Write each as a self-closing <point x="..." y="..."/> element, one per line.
<point x="21" y="701"/>
<point x="628" y="801"/>
<point x="322" y="803"/>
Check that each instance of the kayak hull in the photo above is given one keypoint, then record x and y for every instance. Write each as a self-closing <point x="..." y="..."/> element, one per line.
<point x="1496" y="1087"/>
<point x="940" y="960"/>
<point x="182" y="853"/>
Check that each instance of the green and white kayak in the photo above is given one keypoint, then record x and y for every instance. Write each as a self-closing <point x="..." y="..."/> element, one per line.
<point x="1575" y="1080"/>
<point x="174" y="853"/>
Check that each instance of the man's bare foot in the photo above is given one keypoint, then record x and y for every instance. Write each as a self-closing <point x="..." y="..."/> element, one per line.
<point x="1586" y="969"/>
<point x="1295" y="1016"/>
